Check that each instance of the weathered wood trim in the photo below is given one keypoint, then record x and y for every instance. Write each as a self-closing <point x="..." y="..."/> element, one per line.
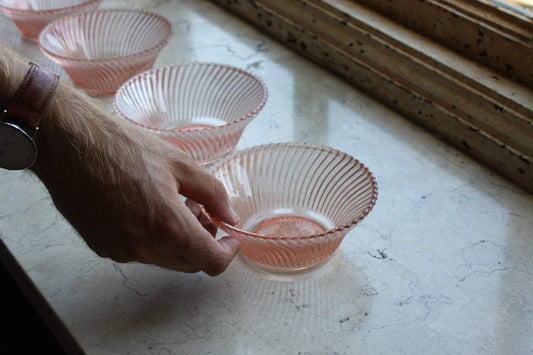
<point x="487" y="33"/>
<point x="489" y="117"/>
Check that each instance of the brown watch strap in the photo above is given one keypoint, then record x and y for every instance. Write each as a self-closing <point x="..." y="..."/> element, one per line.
<point x="32" y="98"/>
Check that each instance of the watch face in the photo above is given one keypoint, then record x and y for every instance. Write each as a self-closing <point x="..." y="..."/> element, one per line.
<point x="17" y="149"/>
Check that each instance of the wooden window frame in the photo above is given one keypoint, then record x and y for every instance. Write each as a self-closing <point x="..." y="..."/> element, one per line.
<point x="492" y="35"/>
<point x="428" y="70"/>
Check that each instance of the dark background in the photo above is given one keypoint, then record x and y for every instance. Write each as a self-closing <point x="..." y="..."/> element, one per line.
<point x="23" y="330"/>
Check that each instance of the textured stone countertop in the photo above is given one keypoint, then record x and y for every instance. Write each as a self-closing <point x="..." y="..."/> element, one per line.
<point x="443" y="264"/>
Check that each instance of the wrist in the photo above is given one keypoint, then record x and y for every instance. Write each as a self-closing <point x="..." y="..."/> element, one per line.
<point x="59" y="131"/>
<point x="77" y="136"/>
<point x="26" y="90"/>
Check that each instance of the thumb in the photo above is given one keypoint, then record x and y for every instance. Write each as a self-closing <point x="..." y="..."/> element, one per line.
<point x="197" y="184"/>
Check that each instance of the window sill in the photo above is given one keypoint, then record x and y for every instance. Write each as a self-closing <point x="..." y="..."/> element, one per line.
<point x="469" y="105"/>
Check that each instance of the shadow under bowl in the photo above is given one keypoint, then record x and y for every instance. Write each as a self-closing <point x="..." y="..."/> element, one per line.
<point x="100" y="50"/>
<point x="202" y="108"/>
<point x="295" y="202"/>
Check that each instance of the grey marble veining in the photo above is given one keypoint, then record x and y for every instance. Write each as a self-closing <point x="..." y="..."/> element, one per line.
<point x="442" y="265"/>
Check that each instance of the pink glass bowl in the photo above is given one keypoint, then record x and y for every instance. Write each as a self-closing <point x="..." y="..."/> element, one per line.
<point x="295" y="202"/>
<point x="202" y="108"/>
<point x="31" y="16"/>
<point x="102" y="49"/>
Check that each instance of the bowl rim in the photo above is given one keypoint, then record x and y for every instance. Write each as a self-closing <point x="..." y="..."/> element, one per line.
<point x="325" y="234"/>
<point x="177" y="131"/>
<point x="156" y="47"/>
<point x="49" y="11"/>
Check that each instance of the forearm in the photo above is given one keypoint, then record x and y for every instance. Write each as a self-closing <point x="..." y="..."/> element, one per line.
<point x="74" y="125"/>
<point x="13" y="67"/>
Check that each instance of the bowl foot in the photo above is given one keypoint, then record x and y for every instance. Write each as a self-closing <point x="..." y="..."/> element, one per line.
<point x="289" y="271"/>
<point x="288" y="226"/>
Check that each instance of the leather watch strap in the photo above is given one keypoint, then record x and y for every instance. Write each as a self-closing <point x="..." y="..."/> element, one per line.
<point x="32" y="97"/>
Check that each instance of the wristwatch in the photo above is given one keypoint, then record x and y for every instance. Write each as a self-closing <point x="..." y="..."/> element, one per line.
<point x="19" y="121"/>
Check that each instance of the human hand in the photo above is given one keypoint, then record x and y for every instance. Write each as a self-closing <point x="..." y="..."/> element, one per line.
<point x="120" y="189"/>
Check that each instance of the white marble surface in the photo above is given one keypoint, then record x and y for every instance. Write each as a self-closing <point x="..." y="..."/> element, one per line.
<point x="443" y="264"/>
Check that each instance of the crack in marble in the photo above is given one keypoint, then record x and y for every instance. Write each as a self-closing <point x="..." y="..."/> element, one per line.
<point x="125" y="280"/>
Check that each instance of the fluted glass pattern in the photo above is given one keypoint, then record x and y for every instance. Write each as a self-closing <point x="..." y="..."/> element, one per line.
<point x="295" y="202"/>
<point x="31" y="16"/>
<point x="202" y="108"/>
<point x="102" y="49"/>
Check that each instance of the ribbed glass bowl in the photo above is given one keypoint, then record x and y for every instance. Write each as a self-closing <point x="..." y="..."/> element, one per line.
<point x="295" y="202"/>
<point x="102" y="49"/>
<point x="202" y="108"/>
<point x="31" y="16"/>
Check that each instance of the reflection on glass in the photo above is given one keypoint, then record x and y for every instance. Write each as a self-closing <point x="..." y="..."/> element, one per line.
<point x="525" y="7"/>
